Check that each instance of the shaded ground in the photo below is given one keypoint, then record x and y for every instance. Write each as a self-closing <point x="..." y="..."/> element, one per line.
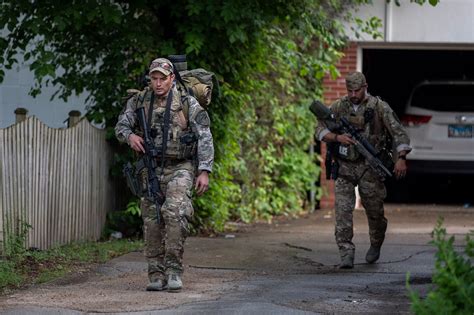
<point x="429" y="188"/>
<point x="283" y="268"/>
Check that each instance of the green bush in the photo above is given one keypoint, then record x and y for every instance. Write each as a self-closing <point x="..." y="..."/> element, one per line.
<point x="8" y="274"/>
<point x="453" y="279"/>
<point x="270" y="58"/>
<point x="16" y="235"/>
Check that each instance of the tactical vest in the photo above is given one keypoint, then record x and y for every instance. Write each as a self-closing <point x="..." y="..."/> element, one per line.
<point x="369" y="122"/>
<point x="182" y="141"/>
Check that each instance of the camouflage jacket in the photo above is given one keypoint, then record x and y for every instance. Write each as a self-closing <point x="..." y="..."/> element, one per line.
<point x="375" y="120"/>
<point x="185" y="120"/>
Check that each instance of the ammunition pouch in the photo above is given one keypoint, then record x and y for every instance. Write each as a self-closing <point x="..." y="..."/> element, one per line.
<point x="153" y="133"/>
<point x="183" y="147"/>
<point x="187" y="146"/>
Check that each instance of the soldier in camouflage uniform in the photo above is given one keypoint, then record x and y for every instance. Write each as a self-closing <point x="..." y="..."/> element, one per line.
<point x="183" y="162"/>
<point x="381" y="127"/>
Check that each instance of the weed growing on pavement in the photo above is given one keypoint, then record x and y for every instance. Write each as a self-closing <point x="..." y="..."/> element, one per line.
<point x="36" y="266"/>
<point x="8" y="275"/>
<point x="453" y="279"/>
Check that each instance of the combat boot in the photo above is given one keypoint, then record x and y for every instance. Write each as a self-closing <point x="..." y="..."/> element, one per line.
<point x="347" y="260"/>
<point x="158" y="285"/>
<point x="174" y="282"/>
<point x="373" y="254"/>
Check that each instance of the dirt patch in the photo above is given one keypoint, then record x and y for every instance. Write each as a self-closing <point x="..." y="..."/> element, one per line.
<point x="93" y="292"/>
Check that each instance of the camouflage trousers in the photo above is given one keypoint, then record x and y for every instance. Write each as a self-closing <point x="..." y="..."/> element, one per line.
<point x="372" y="193"/>
<point x="164" y="242"/>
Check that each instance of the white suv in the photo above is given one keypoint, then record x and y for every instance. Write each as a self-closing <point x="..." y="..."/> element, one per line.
<point x="439" y="119"/>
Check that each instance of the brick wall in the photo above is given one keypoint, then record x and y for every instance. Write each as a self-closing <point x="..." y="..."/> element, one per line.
<point x="334" y="89"/>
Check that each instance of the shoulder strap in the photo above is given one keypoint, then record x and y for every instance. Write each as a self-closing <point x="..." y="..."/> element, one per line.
<point x="185" y="103"/>
<point x="180" y="80"/>
<point x="378" y="127"/>
<point x="140" y="98"/>
<point x="164" y="142"/>
<point x="150" y="108"/>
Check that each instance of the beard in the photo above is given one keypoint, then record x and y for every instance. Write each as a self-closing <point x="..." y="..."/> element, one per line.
<point x="355" y="100"/>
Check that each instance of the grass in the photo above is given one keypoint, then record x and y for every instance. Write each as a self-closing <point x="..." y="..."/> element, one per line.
<point x="21" y="268"/>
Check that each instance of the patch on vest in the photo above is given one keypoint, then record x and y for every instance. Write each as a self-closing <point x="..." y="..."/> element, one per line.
<point x="343" y="151"/>
<point x="203" y="118"/>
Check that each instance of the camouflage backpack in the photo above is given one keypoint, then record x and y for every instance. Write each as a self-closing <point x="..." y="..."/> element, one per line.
<point x="196" y="82"/>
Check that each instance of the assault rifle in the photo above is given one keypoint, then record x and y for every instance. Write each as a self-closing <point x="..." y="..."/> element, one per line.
<point x="149" y="162"/>
<point x="363" y="146"/>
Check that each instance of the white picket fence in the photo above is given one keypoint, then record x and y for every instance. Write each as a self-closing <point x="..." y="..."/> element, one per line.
<point x="55" y="180"/>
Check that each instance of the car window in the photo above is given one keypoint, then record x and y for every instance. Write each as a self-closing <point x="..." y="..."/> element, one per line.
<point x="452" y="98"/>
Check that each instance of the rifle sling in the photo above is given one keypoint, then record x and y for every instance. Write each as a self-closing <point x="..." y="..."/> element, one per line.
<point x="150" y="110"/>
<point x="166" y="123"/>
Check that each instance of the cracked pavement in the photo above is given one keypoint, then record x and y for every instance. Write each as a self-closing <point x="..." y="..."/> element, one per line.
<point x="288" y="267"/>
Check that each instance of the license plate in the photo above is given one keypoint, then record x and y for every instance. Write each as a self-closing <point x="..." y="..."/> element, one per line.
<point x="460" y="131"/>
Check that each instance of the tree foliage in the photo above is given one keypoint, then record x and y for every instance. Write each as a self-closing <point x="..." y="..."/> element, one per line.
<point x="270" y="57"/>
<point x="420" y="2"/>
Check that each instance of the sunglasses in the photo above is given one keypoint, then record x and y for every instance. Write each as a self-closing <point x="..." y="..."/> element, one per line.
<point x="163" y="65"/>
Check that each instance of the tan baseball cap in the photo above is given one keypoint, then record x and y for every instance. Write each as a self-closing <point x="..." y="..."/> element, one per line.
<point x="162" y="65"/>
<point x="355" y="80"/>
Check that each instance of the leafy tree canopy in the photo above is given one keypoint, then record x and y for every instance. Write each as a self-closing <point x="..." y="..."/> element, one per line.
<point x="104" y="46"/>
<point x="420" y="2"/>
<point x="270" y="57"/>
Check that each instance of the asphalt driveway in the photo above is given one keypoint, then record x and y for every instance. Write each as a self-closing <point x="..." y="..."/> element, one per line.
<point x="288" y="267"/>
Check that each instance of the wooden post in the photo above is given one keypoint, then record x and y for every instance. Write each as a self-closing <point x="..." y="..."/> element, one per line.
<point x="20" y="114"/>
<point x="74" y="117"/>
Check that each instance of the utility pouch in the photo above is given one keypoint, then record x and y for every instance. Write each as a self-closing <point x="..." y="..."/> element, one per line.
<point x="386" y="158"/>
<point x="187" y="146"/>
<point x="188" y="138"/>
<point x="132" y="180"/>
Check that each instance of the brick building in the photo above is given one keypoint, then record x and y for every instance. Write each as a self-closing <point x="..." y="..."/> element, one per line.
<point x="419" y="43"/>
<point x="333" y="90"/>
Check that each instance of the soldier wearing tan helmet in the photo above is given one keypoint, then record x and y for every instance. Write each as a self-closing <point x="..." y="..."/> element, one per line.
<point x="377" y="122"/>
